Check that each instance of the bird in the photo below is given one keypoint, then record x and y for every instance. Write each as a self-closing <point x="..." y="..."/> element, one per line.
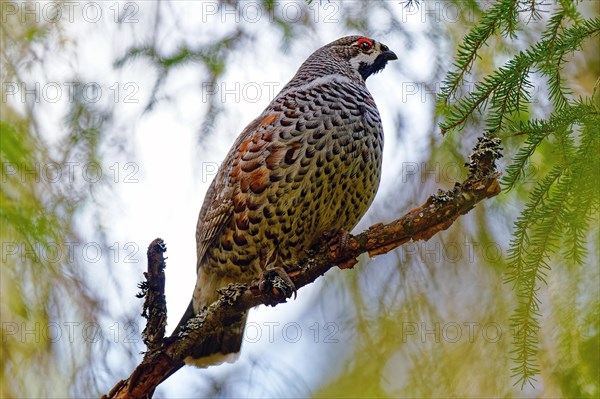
<point x="307" y="167"/>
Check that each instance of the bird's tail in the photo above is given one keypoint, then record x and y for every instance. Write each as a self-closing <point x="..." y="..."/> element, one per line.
<point x="223" y="346"/>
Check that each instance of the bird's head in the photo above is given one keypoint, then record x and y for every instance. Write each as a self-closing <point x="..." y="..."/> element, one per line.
<point x="355" y="57"/>
<point x="365" y="55"/>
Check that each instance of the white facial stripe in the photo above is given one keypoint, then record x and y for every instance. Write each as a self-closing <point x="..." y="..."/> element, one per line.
<point x="363" y="58"/>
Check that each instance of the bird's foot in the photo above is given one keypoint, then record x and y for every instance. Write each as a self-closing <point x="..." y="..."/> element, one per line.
<point x="276" y="284"/>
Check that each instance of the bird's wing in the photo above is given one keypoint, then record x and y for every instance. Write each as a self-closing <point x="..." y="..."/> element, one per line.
<point x="218" y="207"/>
<point x="215" y="214"/>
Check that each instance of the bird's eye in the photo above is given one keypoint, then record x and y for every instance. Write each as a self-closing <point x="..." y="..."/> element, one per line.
<point x="364" y="44"/>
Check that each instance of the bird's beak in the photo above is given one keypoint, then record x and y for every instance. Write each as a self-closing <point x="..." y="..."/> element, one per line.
<point x="388" y="54"/>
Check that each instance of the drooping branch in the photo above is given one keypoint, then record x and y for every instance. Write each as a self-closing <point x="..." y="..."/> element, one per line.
<point x="166" y="355"/>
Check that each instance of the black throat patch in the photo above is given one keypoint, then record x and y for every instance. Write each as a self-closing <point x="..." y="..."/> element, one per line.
<point x="367" y="70"/>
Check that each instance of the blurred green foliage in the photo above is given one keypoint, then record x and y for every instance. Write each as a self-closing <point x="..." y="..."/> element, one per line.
<point x="561" y="212"/>
<point x="430" y="319"/>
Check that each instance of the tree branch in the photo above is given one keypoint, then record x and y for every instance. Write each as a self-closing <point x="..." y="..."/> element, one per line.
<point x="166" y="355"/>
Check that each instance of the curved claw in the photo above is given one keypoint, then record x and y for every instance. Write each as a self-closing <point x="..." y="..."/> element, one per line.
<point x="276" y="284"/>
